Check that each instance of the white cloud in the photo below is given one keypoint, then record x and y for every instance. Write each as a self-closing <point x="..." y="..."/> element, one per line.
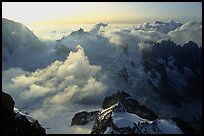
<point x="95" y="30"/>
<point x="90" y="71"/>
<point x="38" y="114"/>
<point x="190" y="31"/>
<point x="59" y="84"/>
<point x="143" y="45"/>
<point x="159" y="26"/>
<point x="35" y="91"/>
<point x="93" y="87"/>
<point x="78" y="65"/>
<point x="23" y="81"/>
<point x="132" y="37"/>
<point x="66" y="95"/>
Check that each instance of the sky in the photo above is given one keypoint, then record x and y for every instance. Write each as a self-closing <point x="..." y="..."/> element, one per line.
<point x="53" y="13"/>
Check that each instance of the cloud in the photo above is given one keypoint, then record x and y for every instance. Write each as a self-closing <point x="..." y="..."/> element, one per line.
<point x="159" y="26"/>
<point x="95" y="30"/>
<point x="190" y="31"/>
<point x="90" y="71"/>
<point x="23" y="81"/>
<point x="131" y="38"/>
<point x="145" y="45"/>
<point x="35" y="91"/>
<point x="91" y="87"/>
<point x="77" y="64"/>
<point x="8" y="84"/>
<point x="81" y="130"/>
<point x="59" y="84"/>
<point x="38" y="114"/>
<point x="90" y="68"/>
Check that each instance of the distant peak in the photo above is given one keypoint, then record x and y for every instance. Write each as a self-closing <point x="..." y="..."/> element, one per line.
<point x="171" y="20"/>
<point x="81" y="30"/>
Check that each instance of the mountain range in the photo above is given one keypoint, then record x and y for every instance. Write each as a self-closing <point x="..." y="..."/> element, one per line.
<point x="84" y="66"/>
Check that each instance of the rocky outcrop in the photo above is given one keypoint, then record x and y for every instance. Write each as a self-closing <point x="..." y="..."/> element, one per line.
<point x="117" y="118"/>
<point x="121" y="103"/>
<point x="130" y="104"/>
<point x="121" y="114"/>
<point x="7" y="103"/>
<point x="84" y="117"/>
<point x="185" y="127"/>
<point x="123" y="74"/>
<point x="62" y="50"/>
<point x="16" y="122"/>
<point x="175" y="71"/>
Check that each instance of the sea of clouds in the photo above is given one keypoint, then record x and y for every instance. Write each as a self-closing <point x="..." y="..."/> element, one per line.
<point x="89" y="72"/>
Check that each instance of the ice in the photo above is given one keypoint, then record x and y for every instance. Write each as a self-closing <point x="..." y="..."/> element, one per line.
<point x="125" y="119"/>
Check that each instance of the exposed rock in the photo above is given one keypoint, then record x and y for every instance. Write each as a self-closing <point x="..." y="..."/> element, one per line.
<point x="185" y="127"/>
<point x="123" y="74"/>
<point x="8" y="103"/>
<point x="116" y="120"/>
<point x="123" y="115"/>
<point x="125" y="50"/>
<point x="130" y="104"/>
<point x="16" y="122"/>
<point x="84" y="117"/>
<point x="174" y="63"/>
<point x="62" y="49"/>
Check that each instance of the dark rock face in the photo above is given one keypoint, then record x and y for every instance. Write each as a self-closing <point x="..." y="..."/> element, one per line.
<point x="62" y="49"/>
<point x="188" y="55"/>
<point x="84" y="117"/>
<point x="24" y="126"/>
<point x="185" y="127"/>
<point x="120" y="106"/>
<point x="123" y="74"/>
<point x="8" y="103"/>
<point x="121" y="102"/>
<point x="167" y="58"/>
<point x="16" y="124"/>
<point x="8" y="116"/>
<point x="130" y="104"/>
<point x="100" y="126"/>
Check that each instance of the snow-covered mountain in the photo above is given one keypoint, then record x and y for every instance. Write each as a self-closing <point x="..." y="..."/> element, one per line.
<point x="21" y="48"/>
<point x="174" y="71"/>
<point x="121" y="114"/>
<point x="175" y="75"/>
<point x="16" y="36"/>
<point x="163" y="27"/>
<point x="84" y="66"/>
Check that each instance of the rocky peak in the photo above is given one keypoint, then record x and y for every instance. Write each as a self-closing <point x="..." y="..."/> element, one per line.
<point x="121" y="114"/>
<point x="16" y="122"/>
<point x="84" y="117"/>
<point x="130" y="104"/>
<point x="8" y="103"/>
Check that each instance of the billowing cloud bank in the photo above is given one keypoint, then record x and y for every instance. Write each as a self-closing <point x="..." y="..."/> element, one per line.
<point x="190" y="31"/>
<point x="60" y="82"/>
<point x="93" y="67"/>
<point x="97" y="27"/>
<point x="157" y="31"/>
<point x="93" y="70"/>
